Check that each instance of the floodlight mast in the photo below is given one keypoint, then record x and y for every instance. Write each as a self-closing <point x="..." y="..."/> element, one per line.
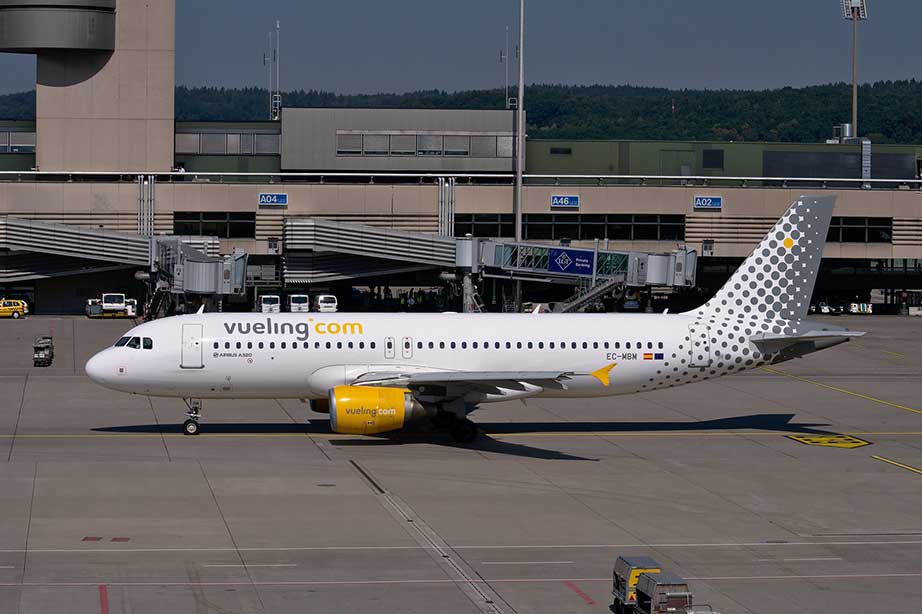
<point x="855" y="10"/>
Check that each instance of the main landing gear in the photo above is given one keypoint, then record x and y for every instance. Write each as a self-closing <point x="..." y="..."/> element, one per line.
<point x="463" y="430"/>
<point x="194" y="411"/>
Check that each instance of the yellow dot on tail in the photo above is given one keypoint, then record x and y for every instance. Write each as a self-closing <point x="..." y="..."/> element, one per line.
<point x="789" y="242"/>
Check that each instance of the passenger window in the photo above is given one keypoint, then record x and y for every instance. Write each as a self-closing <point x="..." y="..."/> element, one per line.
<point x="518" y="345"/>
<point x="272" y="345"/>
<point x="316" y="345"/>
<point x="627" y="345"/>
<point x="474" y="345"/>
<point x="617" y="345"/>
<point x="585" y="345"/>
<point x="660" y="345"/>
<point x="419" y="345"/>
<point x="496" y="345"/>
<point x="551" y="345"/>
<point x="294" y="345"/>
<point x="238" y="345"/>
<point x="464" y="345"/>
<point x="649" y="345"/>
<point x="227" y="345"/>
<point x="573" y="345"/>
<point x="134" y="343"/>
<point x="329" y="345"/>
<point x="508" y="345"/>
<point x="361" y="345"/>
<point x="605" y="345"/>
<point x="390" y="344"/>
<point x="283" y="345"/>
<point x="595" y="345"/>
<point x="261" y="345"/>
<point x="307" y="345"/>
<point x="530" y="345"/>
<point x="540" y="345"/>
<point x="372" y="345"/>
<point x="431" y="345"/>
<point x="441" y="345"/>
<point x="453" y="345"/>
<point x="148" y="343"/>
<point x="215" y="345"/>
<point x="249" y="345"/>
<point x="350" y="345"/>
<point x="339" y="345"/>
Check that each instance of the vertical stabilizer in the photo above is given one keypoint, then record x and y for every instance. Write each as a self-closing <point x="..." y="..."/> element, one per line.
<point x="776" y="281"/>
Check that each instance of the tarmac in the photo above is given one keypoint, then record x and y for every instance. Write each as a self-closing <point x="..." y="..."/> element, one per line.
<point x="105" y="508"/>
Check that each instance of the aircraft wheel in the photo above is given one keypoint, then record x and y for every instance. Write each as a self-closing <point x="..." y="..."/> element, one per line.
<point x="190" y="427"/>
<point x="464" y="431"/>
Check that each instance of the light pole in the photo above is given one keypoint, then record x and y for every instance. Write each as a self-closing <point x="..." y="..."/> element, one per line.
<point x="855" y="10"/>
<point x="519" y="151"/>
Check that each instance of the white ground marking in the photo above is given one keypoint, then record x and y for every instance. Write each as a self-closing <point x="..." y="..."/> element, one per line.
<point x="526" y="562"/>
<point x="248" y="565"/>
<point x="822" y="558"/>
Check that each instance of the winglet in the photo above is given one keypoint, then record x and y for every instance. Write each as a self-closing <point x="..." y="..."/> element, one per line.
<point x="602" y="374"/>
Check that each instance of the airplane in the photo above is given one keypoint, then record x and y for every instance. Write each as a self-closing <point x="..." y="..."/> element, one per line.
<point x="379" y="372"/>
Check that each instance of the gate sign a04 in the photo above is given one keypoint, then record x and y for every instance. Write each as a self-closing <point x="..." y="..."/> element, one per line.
<point x="564" y="202"/>
<point x="268" y="199"/>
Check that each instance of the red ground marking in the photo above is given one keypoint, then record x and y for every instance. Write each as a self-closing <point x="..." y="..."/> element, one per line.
<point x="120" y="539"/>
<point x="92" y="539"/>
<point x="589" y="600"/>
<point x="103" y="599"/>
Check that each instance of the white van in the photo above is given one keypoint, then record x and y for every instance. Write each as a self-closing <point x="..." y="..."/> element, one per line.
<point x="270" y="303"/>
<point x="326" y="303"/>
<point x="299" y="303"/>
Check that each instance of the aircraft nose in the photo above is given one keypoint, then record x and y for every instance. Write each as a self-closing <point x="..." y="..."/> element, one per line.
<point x="97" y="370"/>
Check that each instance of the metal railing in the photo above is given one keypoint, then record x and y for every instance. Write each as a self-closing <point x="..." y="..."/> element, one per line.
<point x="461" y="179"/>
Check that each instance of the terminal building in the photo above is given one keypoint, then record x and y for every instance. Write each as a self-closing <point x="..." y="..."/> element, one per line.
<point x="331" y="198"/>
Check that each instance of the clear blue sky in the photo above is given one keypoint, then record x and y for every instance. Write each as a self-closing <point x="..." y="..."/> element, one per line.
<point x="371" y="46"/>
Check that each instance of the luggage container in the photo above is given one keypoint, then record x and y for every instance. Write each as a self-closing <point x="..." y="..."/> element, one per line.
<point x="42" y="351"/>
<point x="663" y="592"/>
<point x="625" y="574"/>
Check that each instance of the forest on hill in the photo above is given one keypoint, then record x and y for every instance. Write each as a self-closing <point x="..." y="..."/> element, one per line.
<point x="890" y="111"/>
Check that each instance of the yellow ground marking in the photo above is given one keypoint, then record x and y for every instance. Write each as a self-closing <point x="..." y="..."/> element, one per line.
<point x="842" y="390"/>
<point x="900" y="465"/>
<point x="831" y="441"/>
<point x="602" y="373"/>
<point x="897" y="354"/>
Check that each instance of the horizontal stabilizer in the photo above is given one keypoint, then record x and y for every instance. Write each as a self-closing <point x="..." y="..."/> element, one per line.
<point x="770" y="342"/>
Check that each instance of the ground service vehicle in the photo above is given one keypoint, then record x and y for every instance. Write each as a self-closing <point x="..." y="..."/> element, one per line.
<point x="13" y="308"/>
<point x="112" y="305"/>
<point x="270" y="303"/>
<point x="299" y="303"/>
<point x="326" y="303"/>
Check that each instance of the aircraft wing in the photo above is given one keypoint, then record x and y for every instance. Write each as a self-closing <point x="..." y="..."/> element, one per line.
<point x="471" y="379"/>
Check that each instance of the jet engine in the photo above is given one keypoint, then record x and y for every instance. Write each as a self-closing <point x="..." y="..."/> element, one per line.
<point x="366" y="410"/>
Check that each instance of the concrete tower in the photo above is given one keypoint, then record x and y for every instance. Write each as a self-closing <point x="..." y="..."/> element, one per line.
<point x="104" y="82"/>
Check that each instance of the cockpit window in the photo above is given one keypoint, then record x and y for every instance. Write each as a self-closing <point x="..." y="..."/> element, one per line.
<point x="134" y="342"/>
<point x="148" y="343"/>
<point x="122" y="342"/>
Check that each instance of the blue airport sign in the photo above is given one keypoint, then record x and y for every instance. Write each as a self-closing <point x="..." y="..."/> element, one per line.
<point x="564" y="202"/>
<point x="709" y="202"/>
<point x="571" y="261"/>
<point x="267" y="199"/>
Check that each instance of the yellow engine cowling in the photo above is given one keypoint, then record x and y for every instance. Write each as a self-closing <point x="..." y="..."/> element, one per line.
<point x="366" y="410"/>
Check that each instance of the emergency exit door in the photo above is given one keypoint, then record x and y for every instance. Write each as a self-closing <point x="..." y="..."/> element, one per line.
<point x="699" y="346"/>
<point x="191" y="346"/>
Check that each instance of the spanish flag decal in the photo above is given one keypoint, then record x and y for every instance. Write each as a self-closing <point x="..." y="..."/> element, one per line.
<point x="602" y="374"/>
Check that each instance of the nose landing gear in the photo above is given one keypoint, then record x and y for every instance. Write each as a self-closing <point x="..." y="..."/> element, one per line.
<point x="194" y="411"/>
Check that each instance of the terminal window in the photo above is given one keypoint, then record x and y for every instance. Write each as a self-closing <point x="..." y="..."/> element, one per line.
<point x="860" y="230"/>
<point x="17" y="142"/>
<point x="574" y="226"/>
<point x="383" y="143"/>
<point x="221" y="224"/>
<point x="712" y="159"/>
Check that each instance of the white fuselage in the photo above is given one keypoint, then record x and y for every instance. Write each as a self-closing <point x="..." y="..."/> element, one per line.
<point x="228" y="355"/>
